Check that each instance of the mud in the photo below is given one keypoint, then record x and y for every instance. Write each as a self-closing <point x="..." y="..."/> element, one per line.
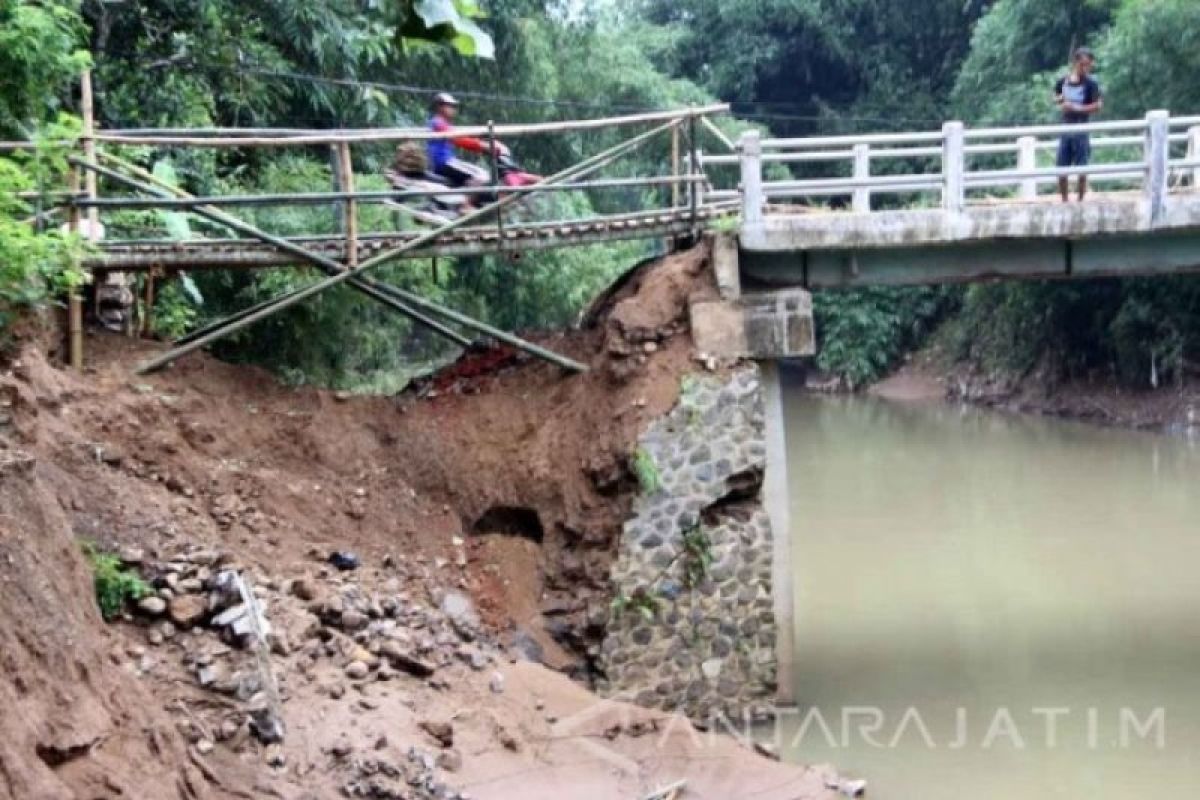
<point x="500" y="478"/>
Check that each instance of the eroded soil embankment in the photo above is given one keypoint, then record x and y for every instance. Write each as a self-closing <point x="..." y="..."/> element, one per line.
<point x="483" y="509"/>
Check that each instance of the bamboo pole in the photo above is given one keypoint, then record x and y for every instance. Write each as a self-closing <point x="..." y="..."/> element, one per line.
<point x="74" y="301"/>
<point x="329" y="266"/>
<point x="321" y="198"/>
<point x="496" y="179"/>
<point x="584" y="167"/>
<point x="675" y="167"/>
<point x="88" y="111"/>
<point x="717" y="132"/>
<point x="414" y="134"/>
<point x="350" y="209"/>
<point x="694" y="189"/>
<point x="148" y="305"/>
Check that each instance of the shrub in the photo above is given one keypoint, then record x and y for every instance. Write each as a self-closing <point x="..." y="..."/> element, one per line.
<point x="114" y="583"/>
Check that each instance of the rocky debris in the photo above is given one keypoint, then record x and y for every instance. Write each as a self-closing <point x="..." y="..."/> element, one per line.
<point x="344" y="560"/>
<point x="187" y="610"/>
<point x="152" y="605"/>
<point x="414" y="778"/>
<point x="443" y="732"/>
<point x="357" y="670"/>
<point x="338" y="628"/>
<point x="461" y="611"/>
<point x="830" y="778"/>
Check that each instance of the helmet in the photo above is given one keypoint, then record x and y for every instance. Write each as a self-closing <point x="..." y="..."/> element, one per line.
<point x="443" y="99"/>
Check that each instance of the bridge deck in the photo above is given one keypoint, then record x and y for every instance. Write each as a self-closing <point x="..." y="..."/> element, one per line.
<point x="133" y="256"/>
<point x="1107" y="236"/>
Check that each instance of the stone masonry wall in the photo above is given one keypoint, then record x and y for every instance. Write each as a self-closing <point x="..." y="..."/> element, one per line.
<point x="706" y="644"/>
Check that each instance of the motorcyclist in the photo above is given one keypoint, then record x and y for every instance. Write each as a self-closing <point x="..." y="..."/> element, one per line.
<point x="441" y="152"/>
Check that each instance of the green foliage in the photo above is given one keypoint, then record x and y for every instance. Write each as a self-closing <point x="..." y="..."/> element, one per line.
<point x="1150" y="56"/>
<point x="1138" y="331"/>
<point x="115" y="584"/>
<point x="34" y="266"/>
<point x="40" y="55"/>
<point x="1017" y="50"/>
<point x="697" y="556"/>
<point x="175" y="313"/>
<point x="447" y="21"/>
<point x="646" y="471"/>
<point x="639" y="601"/>
<point x="862" y="332"/>
<point x="814" y="64"/>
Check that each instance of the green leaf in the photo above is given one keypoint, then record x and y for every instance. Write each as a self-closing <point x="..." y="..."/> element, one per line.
<point x="449" y="22"/>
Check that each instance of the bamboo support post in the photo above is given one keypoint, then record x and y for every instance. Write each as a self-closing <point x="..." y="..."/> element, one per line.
<point x="88" y="140"/>
<point x="585" y="167"/>
<point x="491" y="126"/>
<point x="350" y="209"/>
<point x="74" y="300"/>
<point x="694" y="188"/>
<point x="675" y="167"/>
<point x="147" y="321"/>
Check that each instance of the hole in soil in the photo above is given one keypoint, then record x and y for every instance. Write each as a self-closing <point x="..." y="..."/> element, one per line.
<point x="55" y="757"/>
<point x="510" y="521"/>
<point x="741" y="488"/>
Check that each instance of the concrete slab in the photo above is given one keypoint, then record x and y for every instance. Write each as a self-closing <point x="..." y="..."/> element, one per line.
<point x="922" y="227"/>
<point x="771" y="325"/>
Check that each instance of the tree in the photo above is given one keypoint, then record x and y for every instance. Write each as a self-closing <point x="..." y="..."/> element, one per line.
<point x="40" y="56"/>
<point x="1015" y="50"/>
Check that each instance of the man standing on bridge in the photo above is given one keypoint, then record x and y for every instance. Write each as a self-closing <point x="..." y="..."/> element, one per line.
<point x="1078" y="95"/>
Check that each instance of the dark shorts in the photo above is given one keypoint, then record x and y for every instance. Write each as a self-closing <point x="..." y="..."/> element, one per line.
<point x="460" y="173"/>
<point x="1074" y="150"/>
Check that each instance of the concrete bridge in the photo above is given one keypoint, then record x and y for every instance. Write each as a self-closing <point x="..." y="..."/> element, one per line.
<point x="965" y="204"/>
<point x="951" y="206"/>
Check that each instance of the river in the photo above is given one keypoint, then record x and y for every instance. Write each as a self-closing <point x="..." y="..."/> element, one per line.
<point x="993" y="607"/>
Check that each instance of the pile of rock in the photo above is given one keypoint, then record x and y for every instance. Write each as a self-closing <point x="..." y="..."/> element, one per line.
<point x="398" y="628"/>
<point x="376" y="637"/>
<point x="414" y="778"/>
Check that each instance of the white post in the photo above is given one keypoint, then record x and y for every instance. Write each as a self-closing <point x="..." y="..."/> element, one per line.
<point x="750" y="145"/>
<point x="1194" y="155"/>
<point x="1027" y="162"/>
<point x="777" y="500"/>
<point x="1157" y="154"/>
<point x="954" y="188"/>
<point x="862" y="172"/>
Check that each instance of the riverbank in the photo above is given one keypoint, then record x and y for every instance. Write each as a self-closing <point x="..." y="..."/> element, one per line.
<point x="434" y="569"/>
<point x="928" y="375"/>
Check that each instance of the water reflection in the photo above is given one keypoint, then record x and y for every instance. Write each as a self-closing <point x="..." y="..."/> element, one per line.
<point x="962" y="563"/>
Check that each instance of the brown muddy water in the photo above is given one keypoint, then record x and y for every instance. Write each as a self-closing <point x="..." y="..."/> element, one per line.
<point x="993" y="607"/>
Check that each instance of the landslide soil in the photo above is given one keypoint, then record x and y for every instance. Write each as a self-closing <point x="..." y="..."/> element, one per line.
<point x="500" y="477"/>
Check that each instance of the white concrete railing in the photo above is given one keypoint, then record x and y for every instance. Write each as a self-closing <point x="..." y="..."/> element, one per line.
<point x="953" y="146"/>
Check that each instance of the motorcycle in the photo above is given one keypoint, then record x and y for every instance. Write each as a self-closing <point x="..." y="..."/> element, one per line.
<point x="443" y="203"/>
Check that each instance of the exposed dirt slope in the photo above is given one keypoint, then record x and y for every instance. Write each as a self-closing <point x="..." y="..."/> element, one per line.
<point x="483" y="508"/>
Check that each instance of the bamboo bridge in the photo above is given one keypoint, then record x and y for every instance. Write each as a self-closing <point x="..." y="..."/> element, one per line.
<point x="792" y="216"/>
